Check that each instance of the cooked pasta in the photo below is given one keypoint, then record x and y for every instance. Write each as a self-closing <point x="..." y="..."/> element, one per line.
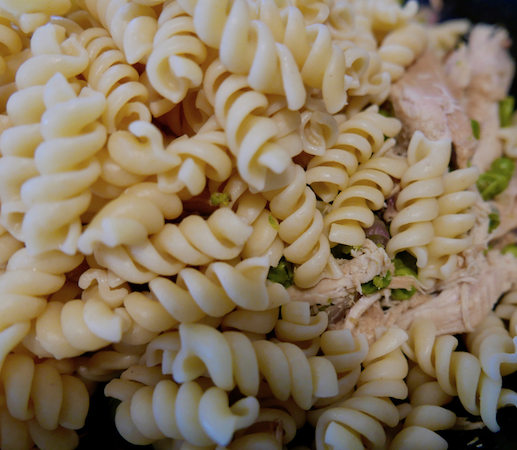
<point x="417" y="203"/>
<point x="251" y="219"/>
<point x="109" y="73"/>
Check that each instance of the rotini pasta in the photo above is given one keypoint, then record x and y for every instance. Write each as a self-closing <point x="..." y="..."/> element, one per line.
<point x="186" y="412"/>
<point x="66" y="158"/>
<point x="109" y="73"/>
<point x="132" y="25"/>
<point x="212" y="208"/>
<point x="417" y="203"/>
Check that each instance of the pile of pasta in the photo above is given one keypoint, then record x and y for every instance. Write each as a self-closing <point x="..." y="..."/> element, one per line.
<point x="163" y="163"/>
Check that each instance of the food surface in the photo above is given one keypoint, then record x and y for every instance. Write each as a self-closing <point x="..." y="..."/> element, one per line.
<point x="243" y="219"/>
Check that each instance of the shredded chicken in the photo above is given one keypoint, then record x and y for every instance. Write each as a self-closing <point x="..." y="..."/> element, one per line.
<point x="479" y="74"/>
<point x="422" y="101"/>
<point x="367" y="262"/>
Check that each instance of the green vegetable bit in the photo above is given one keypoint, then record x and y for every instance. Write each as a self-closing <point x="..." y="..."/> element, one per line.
<point x="405" y="264"/>
<point x="273" y="222"/>
<point x="376" y="284"/>
<point x="510" y="248"/>
<point x="506" y="107"/>
<point x="403" y="294"/>
<point x="283" y="273"/>
<point x="476" y="130"/>
<point x="220" y="198"/>
<point x="496" y="179"/>
<point x="495" y="220"/>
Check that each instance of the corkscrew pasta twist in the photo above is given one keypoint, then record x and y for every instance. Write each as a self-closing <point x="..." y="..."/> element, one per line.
<point x="443" y="373"/>
<point x="352" y="208"/>
<point x="66" y="157"/>
<point x="109" y="73"/>
<point x="184" y="412"/>
<point x="417" y="203"/>
<point x="401" y="47"/>
<point x="362" y="416"/>
<point x="203" y="157"/>
<point x="39" y="392"/>
<point x="231" y="359"/>
<point x="282" y="44"/>
<point x="218" y="290"/>
<point x="252" y="137"/>
<point x="387" y="15"/>
<point x="139" y="212"/>
<point x="173" y="67"/>
<point x="451" y="226"/>
<point x="358" y="139"/>
<point x="26" y="283"/>
<point x="71" y="327"/>
<point x="222" y="237"/>
<point x="51" y="53"/>
<point x="301" y="226"/>
<point x="132" y="25"/>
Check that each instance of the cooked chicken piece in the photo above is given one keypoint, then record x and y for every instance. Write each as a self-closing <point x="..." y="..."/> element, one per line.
<point x="480" y="75"/>
<point x="422" y="101"/>
<point x="368" y="262"/>
<point x="459" y="307"/>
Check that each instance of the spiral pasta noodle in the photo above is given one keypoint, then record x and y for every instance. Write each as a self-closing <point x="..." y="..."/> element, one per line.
<point x="185" y="412"/>
<point x="358" y="139"/>
<point x="451" y="226"/>
<point x="173" y="65"/>
<point x="296" y="53"/>
<point x="261" y="160"/>
<point x="28" y="395"/>
<point x="52" y="52"/>
<point x="397" y="50"/>
<point x="109" y="73"/>
<point x="22" y="298"/>
<point x="417" y="203"/>
<point x="132" y="25"/>
<point x="286" y="369"/>
<point x="352" y="208"/>
<point x="66" y="157"/>
<point x="447" y="373"/>
<point x="301" y="228"/>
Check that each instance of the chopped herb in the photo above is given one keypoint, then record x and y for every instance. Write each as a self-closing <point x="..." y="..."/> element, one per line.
<point x="220" y="198"/>
<point x="476" y="130"/>
<point x="273" y="222"/>
<point x="496" y="179"/>
<point x="495" y="220"/>
<point x="506" y="107"/>
<point x="510" y="248"/>
<point x="283" y="273"/>
<point x="342" y="251"/>
<point x="376" y="284"/>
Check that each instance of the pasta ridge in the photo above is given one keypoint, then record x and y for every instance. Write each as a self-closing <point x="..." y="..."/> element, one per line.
<point x="184" y="412"/>
<point x="109" y="73"/>
<point x="72" y="136"/>
<point x="22" y="299"/>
